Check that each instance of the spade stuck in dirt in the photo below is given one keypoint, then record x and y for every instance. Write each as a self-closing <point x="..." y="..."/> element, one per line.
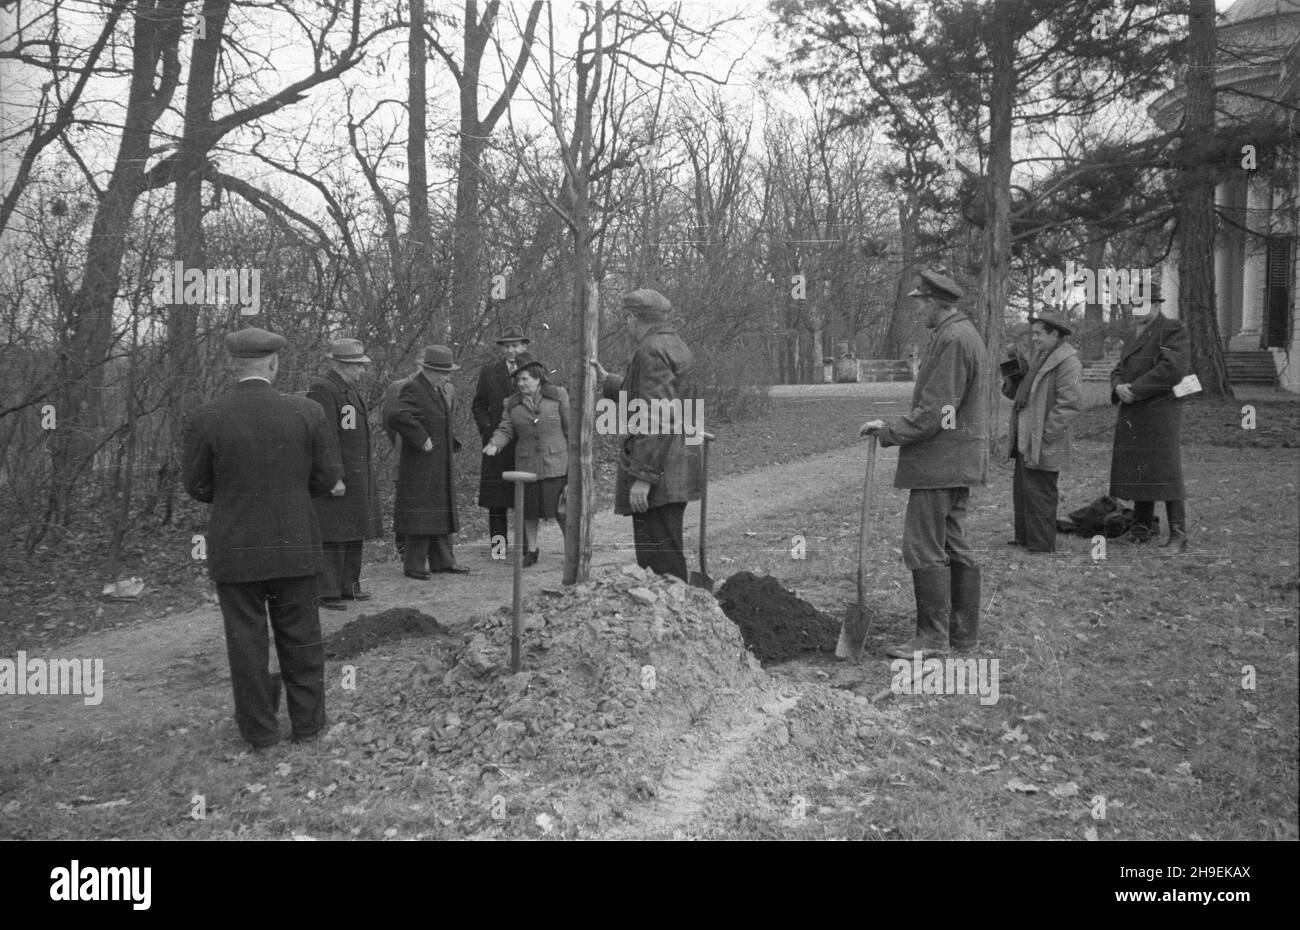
<point x="857" y="617"/>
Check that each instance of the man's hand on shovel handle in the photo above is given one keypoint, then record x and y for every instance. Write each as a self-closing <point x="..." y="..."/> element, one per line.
<point x="871" y="427"/>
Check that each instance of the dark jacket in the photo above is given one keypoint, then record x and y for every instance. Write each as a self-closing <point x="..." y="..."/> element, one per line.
<point x="541" y="442"/>
<point x="258" y="457"/>
<point x="355" y="515"/>
<point x="1146" y="461"/>
<point x="425" y="503"/>
<point x="660" y="369"/>
<point x="952" y="375"/>
<point x="494" y="386"/>
<point x="1040" y="433"/>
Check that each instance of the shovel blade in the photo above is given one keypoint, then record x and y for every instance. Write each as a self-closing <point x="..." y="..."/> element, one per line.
<point x="701" y="580"/>
<point x="853" y="633"/>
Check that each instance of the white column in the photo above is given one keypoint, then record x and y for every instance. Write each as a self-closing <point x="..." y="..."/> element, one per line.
<point x="1259" y="197"/>
<point x="1224" y="292"/>
<point x="1169" y="284"/>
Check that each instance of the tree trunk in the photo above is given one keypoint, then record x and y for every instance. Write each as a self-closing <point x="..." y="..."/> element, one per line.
<point x="997" y="234"/>
<point x="1196" y="304"/>
<point x="902" y="326"/>
<point x="419" y="240"/>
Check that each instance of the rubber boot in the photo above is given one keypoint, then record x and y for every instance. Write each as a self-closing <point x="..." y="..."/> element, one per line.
<point x="964" y="625"/>
<point x="933" y="588"/>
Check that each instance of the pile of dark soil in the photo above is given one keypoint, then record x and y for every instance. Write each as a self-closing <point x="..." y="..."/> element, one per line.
<point x="371" y="630"/>
<point x="774" y="623"/>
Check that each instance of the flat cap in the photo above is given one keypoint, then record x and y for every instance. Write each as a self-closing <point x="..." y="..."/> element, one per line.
<point x="939" y="286"/>
<point x="438" y="358"/>
<point x="253" y="342"/>
<point x="647" y="304"/>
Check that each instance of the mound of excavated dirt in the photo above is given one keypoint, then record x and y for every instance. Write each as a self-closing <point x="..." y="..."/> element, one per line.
<point x="615" y="671"/>
<point x="775" y="624"/>
<point x="371" y="630"/>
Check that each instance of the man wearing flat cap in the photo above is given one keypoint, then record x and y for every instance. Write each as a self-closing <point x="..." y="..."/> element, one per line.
<point x="259" y="457"/>
<point x="495" y="384"/>
<point x="424" y="512"/>
<point x="347" y="520"/>
<point x="1046" y="398"/>
<point x="942" y="452"/>
<point x="657" y="473"/>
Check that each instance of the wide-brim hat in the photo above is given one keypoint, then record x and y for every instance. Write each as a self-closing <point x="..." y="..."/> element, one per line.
<point x="348" y="350"/>
<point x="513" y="334"/>
<point x="1053" y="320"/>
<point x="938" y="286"/>
<point x="438" y="358"/>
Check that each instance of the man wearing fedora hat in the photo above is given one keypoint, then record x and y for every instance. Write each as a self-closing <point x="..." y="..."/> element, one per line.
<point x="424" y="512"/>
<point x="1046" y="399"/>
<point x="495" y="384"/>
<point x="347" y="520"/>
<point x="1146" y="460"/>
<point x="258" y="457"/>
<point x="942" y="452"/>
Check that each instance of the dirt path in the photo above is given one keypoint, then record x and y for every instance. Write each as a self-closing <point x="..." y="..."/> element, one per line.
<point x="165" y="670"/>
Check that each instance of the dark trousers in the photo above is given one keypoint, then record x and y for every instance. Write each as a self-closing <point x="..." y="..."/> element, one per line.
<point x="434" y="550"/>
<point x="1034" y="498"/>
<point x="658" y="537"/>
<point x="342" y="568"/>
<point x="1175" y="512"/>
<point x="498" y="523"/>
<point x="933" y="532"/>
<point x="295" y="622"/>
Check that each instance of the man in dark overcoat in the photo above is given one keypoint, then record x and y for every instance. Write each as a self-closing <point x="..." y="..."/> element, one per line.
<point x="657" y="473"/>
<point x="424" y="512"/>
<point x="348" y="520"/>
<point x="495" y="384"/>
<point x="943" y="452"/>
<point x="1146" y="461"/>
<point x="258" y="457"/>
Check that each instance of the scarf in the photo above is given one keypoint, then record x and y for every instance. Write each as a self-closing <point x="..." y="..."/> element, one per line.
<point x="1027" y="382"/>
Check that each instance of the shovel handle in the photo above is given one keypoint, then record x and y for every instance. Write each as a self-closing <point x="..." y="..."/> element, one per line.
<point x="866" y="517"/>
<point x="704" y="497"/>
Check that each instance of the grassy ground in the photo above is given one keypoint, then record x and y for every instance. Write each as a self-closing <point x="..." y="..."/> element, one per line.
<point x="1141" y="697"/>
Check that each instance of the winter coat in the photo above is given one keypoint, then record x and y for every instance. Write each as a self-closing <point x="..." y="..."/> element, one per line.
<point x="425" y="503"/>
<point x="355" y="515"/>
<point x="494" y="385"/>
<point x="258" y="457"/>
<point x="1041" y="432"/>
<point x="541" y="442"/>
<point x="659" y="369"/>
<point x="1146" y="461"/>
<point x="952" y="375"/>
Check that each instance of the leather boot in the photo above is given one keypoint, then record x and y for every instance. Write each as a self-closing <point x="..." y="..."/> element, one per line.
<point x="1176" y="544"/>
<point x="933" y="589"/>
<point x="964" y="625"/>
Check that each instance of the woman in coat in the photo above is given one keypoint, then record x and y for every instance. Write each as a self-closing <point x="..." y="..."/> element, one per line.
<point x="1046" y="399"/>
<point x="536" y="417"/>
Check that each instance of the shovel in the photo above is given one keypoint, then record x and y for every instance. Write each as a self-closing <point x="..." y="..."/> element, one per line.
<point x="857" y="619"/>
<point x="520" y="478"/>
<point x="701" y="578"/>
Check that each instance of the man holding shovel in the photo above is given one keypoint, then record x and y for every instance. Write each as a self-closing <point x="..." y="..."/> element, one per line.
<point x="942" y="452"/>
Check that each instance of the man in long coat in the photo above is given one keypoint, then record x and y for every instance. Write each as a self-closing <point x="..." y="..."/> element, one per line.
<point x="657" y="473"/>
<point x="348" y="520"/>
<point x="943" y="452"/>
<point x="258" y="457"/>
<point x="424" y="512"/>
<point x="495" y="384"/>
<point x="1146" y="462"/>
